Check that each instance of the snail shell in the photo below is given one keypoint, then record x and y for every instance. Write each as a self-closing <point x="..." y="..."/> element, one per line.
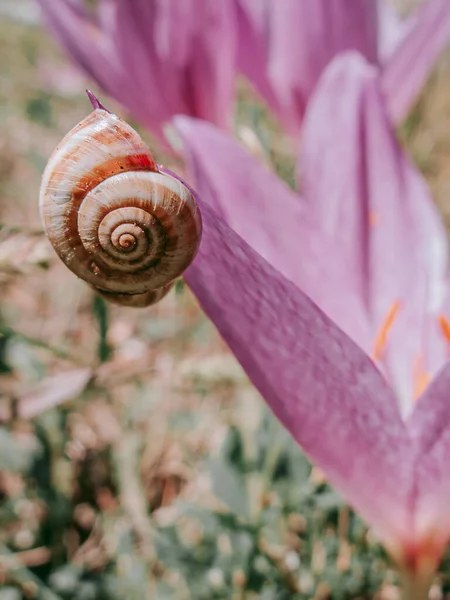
<point x="112" y="217"/>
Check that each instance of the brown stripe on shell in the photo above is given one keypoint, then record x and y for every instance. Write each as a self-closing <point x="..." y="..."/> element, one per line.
<point x="86" y="184"/>
<point x="179" y="219"/>
<point x="180" y="246"/>
<point x="84" y="124"/>
<point x="114" y="166"/>
<point x="136" y="300"/>
<point x="134" y="157"/>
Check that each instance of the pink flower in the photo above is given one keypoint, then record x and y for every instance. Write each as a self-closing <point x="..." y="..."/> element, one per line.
<point x="157" y="57"/>
<point x="160" y="58"/>
<point x="285" y="45"/>
<point x="336" y="303"/>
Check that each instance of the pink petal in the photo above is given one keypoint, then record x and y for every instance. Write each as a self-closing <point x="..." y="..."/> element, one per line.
<point x="324" y="390"/>
<point x="391" y="29"/>
<point x="271" y="218"/>
<point x="383" y="241"/>
<point x="304" y="38"/>
<point x="157" y="57"/>
<point x="152" y="96"/>
<point x="251" y="199"/>
<point x="79" y="34"/>
<point x="429" y="427"/>
<point x="212" y="62"/>
<point x="408" y="68"/>
<point x="180" y="66"/>
<point x="92" y="48"/>
<point x="253" y="17"/>
<point x="165" y="22"/>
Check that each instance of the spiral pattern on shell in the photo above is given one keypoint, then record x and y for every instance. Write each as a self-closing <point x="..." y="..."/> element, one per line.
<point x="112" y="217"/>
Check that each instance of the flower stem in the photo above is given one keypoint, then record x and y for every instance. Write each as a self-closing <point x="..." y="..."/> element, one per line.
<point x="415" y="586"/>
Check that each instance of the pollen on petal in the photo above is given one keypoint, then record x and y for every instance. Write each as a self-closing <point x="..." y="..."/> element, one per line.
<point x="374" y="218"/>
<point x="381" y="338"/>
<point x="445" y="327"/>
<point x="421" y="378"/>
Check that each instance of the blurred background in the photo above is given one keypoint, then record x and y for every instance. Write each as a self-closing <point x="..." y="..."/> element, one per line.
<point x="136" y="460"/>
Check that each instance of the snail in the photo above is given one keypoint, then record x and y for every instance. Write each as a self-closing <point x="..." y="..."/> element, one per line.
<point x="113" y="217"/>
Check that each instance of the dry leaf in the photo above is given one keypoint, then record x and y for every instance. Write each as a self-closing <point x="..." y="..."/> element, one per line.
<point x="53" y="391"/>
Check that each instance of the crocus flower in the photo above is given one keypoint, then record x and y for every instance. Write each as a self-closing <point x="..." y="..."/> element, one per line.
<point x="335" y="302"/>
<point x="160" y="58"/>
<point x="285" y="45"/>
<point x="157" y="57"/>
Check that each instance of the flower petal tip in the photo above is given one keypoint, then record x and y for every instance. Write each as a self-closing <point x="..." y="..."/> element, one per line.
<point x="96" y="104"/>
<point x="183" y="122"/>
<point x="353" y="62"/>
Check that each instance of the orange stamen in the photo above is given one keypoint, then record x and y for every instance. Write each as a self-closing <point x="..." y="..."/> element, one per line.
<point x="421" y="378"/>
<point x="445" y="327"/>
<point x="374" y="218"/>
<point x="381" y="339"/>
